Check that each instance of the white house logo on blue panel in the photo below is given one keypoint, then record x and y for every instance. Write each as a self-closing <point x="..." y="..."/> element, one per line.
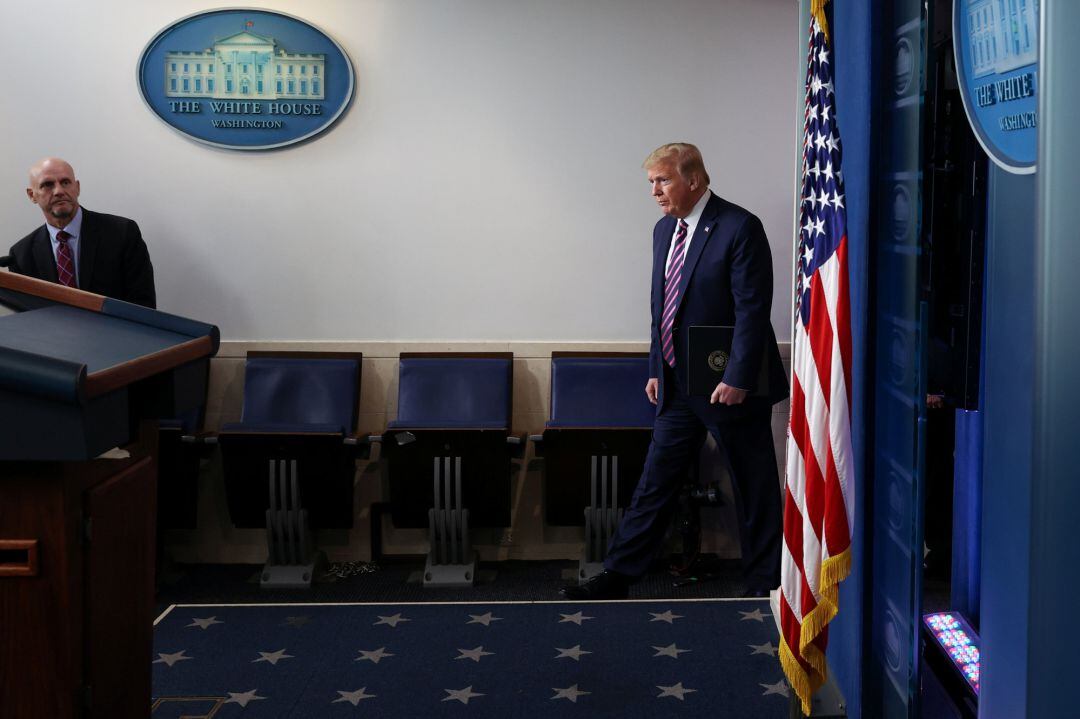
<point x="245" y="79"/>
<point x="996" y="45"/>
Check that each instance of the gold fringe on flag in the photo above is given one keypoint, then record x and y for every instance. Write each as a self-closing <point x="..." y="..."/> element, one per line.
<point x="817" y="9"/>
<point x="802" y="682"/>
<point x="833" y="571"/>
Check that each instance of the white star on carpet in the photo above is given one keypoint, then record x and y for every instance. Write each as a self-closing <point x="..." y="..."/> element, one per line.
<point x="242" y="699"/>
<point x="780" y="688"/>
<point x="667" y="616"/>
<point x="485" y="619"/>
<point x="373" y="656"/>
<point x="296" y="621"/>
<point x="171" y="659"/>
<point x="766" y="648"/>
<point x="571" y="692"/>
<point x="573" y="652"/>
<point x="355" y="697"/>
<point x="392" y="620"/>
<point x="462" y="695"/>
<point x="204" y="623"/>
<point x="755" y="616"/>
<point x="577" y="618"/>
<point x="676" y="690"/>
<point x="272" y="657"/>
<point x="473" y="654"/>
<point x="669" y="651"/>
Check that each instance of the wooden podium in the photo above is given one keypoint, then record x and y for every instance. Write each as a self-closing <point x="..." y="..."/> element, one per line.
<point x="81" y="374"/>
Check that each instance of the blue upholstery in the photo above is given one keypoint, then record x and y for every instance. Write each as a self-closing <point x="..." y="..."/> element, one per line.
<point x="287" y="394"/>
<point x="600" y="392"/>
<point x="286" y="427"/>
<point x="187" y="422"/>
<point x="453" y="393"/>
<point x="296" y="408"/>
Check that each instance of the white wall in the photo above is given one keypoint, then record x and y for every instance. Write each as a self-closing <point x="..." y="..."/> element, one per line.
<point x="485" y="184"/>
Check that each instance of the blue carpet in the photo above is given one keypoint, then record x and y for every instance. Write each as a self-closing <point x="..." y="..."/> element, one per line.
<point x="714" y="658"/>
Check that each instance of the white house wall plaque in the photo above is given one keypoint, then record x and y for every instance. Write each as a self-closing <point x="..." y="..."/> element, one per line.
<point x="245" y="79"/>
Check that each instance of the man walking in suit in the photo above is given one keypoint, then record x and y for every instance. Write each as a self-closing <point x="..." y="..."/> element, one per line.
<point x="711" y="266"/>
<point x="75" y="247"/>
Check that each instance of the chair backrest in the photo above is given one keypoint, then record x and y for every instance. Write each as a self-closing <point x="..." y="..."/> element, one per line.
<point x="298" y="390"/>
<point x="600" y="390"/>
<point x="455" y="390"/>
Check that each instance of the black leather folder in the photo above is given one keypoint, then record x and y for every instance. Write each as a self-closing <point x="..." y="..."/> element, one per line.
<point x="708" y="351"/>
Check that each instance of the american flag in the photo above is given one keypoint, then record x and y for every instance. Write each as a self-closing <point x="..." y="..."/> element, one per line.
<point x="818" y="502"/>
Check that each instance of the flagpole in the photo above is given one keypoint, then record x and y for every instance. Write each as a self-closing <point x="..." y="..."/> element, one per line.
<point x="800" y="99"/>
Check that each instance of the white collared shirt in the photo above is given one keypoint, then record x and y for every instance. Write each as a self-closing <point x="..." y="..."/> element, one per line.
<point x="691" y="221"/>
<point x="73" y="228"/>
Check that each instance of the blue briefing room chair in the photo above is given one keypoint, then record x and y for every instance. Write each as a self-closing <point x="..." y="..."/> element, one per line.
<point x="290" y="462"/>
<point x="448" y="454"/>
<point x="594" y="444"/>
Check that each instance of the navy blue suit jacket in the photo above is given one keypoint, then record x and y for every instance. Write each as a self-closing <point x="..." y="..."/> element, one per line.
<point x="726" y="280"/>
<point x="113" y="259"/>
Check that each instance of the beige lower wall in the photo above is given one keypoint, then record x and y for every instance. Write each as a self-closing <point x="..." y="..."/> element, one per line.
<point x="217" y="541"/>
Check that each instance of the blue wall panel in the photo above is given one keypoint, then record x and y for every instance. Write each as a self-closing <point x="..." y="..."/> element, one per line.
<point x="967" y="515"/>
<point x="1055" y="549"/>
<point x="1007" y="427"/>
<point x="852" y="49"/>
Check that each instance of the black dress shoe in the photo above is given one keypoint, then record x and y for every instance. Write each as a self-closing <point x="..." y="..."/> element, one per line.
<point x="605" y="585"/>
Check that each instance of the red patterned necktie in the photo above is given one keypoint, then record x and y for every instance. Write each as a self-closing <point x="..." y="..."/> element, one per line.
<point x="65" y="266"/>
<point x="671" y="293"/>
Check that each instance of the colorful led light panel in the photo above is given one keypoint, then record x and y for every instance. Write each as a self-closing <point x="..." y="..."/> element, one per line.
<point x="937" y="622"/>
<point x="961" y="643"/>
<point x="971" y="673"/>
<point x="965" y="655"/>
<point x="953" y="638"/>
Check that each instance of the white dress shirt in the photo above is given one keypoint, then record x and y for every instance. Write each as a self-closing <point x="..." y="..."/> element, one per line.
<point x="691" y="221"/>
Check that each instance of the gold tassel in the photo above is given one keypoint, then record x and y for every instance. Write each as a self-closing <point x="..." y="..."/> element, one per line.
<point x="797" y="677"/>
<point x="835" y="569"/>
<point x="817" y="9"/>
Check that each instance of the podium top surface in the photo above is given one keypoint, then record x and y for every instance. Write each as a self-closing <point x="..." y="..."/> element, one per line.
<point x="67" y="345"/>
<point x="96" y="340"/>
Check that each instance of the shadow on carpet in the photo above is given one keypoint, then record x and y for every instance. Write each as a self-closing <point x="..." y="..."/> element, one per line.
<point x="693" y="658"/>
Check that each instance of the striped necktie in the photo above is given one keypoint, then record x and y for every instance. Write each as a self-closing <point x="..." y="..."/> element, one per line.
<point x="65" y="265"/>
<point x="671" y="293"/>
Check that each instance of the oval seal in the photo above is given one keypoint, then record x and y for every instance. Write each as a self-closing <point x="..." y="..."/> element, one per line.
<point x="718" y="360"/>
<point x="996" y="51"/>
<point x="245" y="79"/>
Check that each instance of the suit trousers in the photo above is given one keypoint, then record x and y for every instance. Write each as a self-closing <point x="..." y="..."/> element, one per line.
<point x="678" y="434"/>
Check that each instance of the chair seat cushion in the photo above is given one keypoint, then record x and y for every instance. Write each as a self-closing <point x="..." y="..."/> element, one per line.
<point x="283" y="428"/>
<point x="600" y="392"/>
<point x="600" y="423"/>
<point x="471" y="392"/>
<point x="445" y="424"/>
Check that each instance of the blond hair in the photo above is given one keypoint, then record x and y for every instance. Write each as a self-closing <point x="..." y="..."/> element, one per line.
<point x="685" y="157"/>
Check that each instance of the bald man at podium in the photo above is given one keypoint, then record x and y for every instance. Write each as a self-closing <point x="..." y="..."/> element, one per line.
<point x="76" y="247"/>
